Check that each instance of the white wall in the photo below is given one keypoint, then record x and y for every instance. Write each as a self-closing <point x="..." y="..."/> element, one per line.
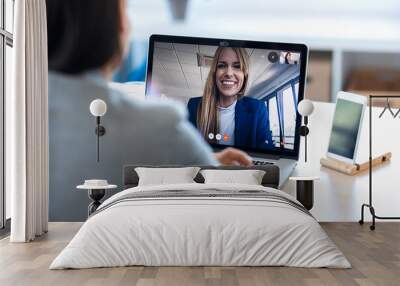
<point x="285" y="19"/>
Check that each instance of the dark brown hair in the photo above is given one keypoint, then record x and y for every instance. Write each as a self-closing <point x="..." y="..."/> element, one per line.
<point x="82" y="34"/>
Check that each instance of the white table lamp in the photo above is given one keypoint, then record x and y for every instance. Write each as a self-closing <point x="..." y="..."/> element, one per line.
<point x="98" y="108"/>
<point x="305" y="109"/>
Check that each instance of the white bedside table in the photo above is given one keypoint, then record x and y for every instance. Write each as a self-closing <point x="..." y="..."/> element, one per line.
<point x="96" y="191"/>
<point x="305" y="190"/>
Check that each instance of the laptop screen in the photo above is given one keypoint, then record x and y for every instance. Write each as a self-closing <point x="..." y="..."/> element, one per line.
<point x="240" y="94"/>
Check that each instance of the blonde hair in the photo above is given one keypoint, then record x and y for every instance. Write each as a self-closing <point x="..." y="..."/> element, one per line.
<point x="207" y="113"/>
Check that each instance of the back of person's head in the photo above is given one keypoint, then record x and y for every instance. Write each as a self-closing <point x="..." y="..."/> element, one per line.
<point x="83" y="34"/>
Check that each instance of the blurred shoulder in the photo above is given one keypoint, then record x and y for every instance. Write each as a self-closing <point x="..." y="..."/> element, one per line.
<point x="161" y="112"/>
<point x="79" y="85"/>
<point x="121" y="105"/>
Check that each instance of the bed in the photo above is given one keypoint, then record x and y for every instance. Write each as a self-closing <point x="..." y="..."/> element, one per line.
<point x="198" y="224"/>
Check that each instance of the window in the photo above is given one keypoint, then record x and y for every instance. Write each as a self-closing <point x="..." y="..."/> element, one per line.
<point x="289" y="116"/>
<point x="296" y="90"/>
<point x="6" y="44"/>
<point x="282" y="108"/>
<point x="9" y="13"/>
<point x="274" y="121"/>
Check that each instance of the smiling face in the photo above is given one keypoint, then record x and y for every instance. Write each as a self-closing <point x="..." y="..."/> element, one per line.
<point x="229" y="76"/>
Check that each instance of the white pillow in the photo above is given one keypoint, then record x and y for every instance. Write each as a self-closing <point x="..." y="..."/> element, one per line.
<point x="163" y="176"/>
<point x="248" y="177"/>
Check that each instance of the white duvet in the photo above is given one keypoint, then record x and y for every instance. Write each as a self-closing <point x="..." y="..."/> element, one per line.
<point x="200" y="231"/>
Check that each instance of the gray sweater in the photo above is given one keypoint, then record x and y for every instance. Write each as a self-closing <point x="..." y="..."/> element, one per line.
<point x="137" y="132"/>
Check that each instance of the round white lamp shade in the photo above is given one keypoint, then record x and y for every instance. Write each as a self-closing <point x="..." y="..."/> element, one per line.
<point x="305" y="107"/>
<point x="98" y="107"/>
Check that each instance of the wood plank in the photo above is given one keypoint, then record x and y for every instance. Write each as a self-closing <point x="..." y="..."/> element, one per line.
<point x="375" y="257"/>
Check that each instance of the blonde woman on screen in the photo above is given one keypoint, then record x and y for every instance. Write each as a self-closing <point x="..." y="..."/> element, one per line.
<point x="224" y="115"/>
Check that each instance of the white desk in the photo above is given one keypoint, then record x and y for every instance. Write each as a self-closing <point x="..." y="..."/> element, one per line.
<point x="338" y="197"/>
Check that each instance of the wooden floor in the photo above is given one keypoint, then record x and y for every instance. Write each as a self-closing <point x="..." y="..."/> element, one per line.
<point x="375" y="257"/>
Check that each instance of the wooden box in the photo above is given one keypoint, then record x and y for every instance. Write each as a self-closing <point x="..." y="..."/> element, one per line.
<point x="372" y="81"/>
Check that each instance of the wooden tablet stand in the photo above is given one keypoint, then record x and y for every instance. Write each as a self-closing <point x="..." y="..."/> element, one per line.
<point x="353" y="169"/>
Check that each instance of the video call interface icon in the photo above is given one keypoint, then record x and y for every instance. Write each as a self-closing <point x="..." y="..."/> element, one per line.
<point x="273" y="57"/>
<point x="218" y="137"/>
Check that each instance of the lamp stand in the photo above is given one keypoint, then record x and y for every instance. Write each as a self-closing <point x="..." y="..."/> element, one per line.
<point x="304" y="132"/>
<point x="100" y="131"/>
<point x="305" y="147"/>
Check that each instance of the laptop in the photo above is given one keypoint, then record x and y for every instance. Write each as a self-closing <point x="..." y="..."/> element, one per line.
<point x="242" y="94"/>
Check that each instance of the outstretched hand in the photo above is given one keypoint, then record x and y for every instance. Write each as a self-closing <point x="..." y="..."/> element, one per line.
<point x="232" y="156"/>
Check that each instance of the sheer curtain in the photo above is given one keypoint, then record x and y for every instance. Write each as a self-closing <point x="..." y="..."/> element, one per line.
<point x="27" y="124"/>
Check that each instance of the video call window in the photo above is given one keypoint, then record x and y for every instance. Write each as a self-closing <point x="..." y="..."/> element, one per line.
<point x="289" y="58"/>
<point x="264" y="83"/>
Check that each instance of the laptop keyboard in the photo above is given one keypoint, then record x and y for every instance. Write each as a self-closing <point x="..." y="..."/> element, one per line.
<point x="261" y="163"/>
